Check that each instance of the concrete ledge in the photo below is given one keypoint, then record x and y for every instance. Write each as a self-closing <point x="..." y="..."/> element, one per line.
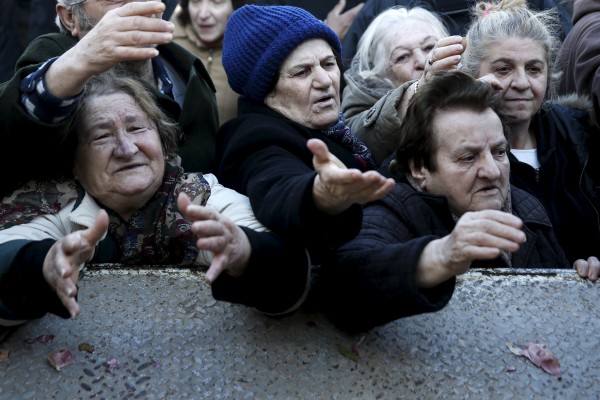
<point x="173" y="341"/>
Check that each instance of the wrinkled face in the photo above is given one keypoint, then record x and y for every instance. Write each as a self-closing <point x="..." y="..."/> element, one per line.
<point x="308" y="89"/>
<point x="472" y="161"/>
<point x="407" y="51"/>
<point x="209" y="19"/>
<point x="520" y="66"/>
<point x="119" y="158"/>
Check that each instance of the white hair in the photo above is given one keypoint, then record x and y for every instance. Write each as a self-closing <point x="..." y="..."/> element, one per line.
<point x="371" y="53"/>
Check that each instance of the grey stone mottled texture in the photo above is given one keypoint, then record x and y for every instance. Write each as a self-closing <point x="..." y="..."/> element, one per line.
<point x="173" y="341"/>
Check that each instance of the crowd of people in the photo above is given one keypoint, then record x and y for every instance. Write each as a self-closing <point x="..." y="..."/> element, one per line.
<point x="244" y="139"/>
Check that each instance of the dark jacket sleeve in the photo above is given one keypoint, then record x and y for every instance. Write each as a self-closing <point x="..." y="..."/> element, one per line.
<point x="370" y="280"/>
<point x="267" y="160"/>
<point x="24" y="292"/>
<point x="276" y="279"/>
<point x="38" y="141"/>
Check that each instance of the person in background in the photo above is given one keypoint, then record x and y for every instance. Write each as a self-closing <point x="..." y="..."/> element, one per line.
<point x="289" y="149"/>
<point x="392" y="51"/>
<point x="579" y="55"/>
<point x="551" y="148"/>
<point x="452" y="209"/>
<point x="131" y="205"/>
<point x="199" y="28"/>
<point x="37" y="104"/>
<point x="454" y="13"/>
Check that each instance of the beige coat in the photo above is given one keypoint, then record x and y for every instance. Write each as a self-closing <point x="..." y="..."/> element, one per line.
<point x="211" y="57"/>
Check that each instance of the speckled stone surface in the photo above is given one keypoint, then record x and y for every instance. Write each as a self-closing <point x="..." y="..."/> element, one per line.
<point x="171" y="340"/>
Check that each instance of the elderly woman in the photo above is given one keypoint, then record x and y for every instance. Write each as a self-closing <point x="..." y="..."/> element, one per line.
<point x="133" y="206"/>
<point x="393" y="50"/>
<point x="552" y="156"/>
<point x="289" y="150"/>
<point x="451" y="209"/>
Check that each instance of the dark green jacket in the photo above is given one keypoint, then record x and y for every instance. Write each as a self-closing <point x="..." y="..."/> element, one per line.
<point x="34" y="150"/>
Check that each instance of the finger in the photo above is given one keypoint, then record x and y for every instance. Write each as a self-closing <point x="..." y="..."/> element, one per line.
<point x="498" y="216"/>
<point x="319" y="150"/>
<point x="216" y="268"/>
<point x="141" y="8"/>
<point x="201" y="213"/>
<point x="183" y="202"/>
<point x="581" y="266"/>
<point x="339" y="7"/>
<point x="491" y="80"/>
<point x="70" y="303"/>
<point x="593" y="269"/>
<point x="97" y="231"/>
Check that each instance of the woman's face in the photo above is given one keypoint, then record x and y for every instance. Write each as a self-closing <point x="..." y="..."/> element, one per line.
<point x="119" y="158"/>
<point x="308" y="89"/>
<point x="472" y="161"/>
<point x="407" y="50"/>
<point x="209" y="19"/>
<point x="520" y="66"/>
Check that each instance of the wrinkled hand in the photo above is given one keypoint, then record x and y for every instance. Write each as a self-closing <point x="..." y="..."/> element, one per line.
<point x="62" y="263"/>
<point x="588" y="269"/>
<point x="336" y="187"/>
<point x="445" y="55"/>
<point x="216" y="233"/>
<point x="340" y="21"/>
<point x="479" y="235"/>
<point x="126" y="33"/>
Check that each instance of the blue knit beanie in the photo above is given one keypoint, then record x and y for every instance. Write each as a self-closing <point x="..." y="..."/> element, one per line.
<point x="257" y="41"/>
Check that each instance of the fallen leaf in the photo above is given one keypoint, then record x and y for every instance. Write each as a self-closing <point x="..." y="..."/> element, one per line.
<point x="539" y="355"/>
<point x="346" y="352"/>
<point x="85" y="347"/>
<point x="39" y="339"/>
<point x="61" y="359"/>
<point x="4" y="353"/>
<point x="112" y="364"/>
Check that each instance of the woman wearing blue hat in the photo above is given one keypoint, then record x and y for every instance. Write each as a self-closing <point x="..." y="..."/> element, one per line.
<point x="289" y="149"/>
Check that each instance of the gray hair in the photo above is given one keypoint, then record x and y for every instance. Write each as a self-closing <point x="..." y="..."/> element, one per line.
<point x="372" y="55"/>
<point x="75" y="7"/>
<point x="495" y="21"/>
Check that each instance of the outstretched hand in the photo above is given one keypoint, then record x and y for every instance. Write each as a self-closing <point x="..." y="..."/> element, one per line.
<point x="478" y="235"/>
<point x="62" y="263"/>
<point x="216" y="233"/>
<point x="336" y="187"/>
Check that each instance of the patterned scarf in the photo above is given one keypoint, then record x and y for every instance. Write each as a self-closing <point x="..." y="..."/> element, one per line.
<point x="36" y="198"/>
<point x="340" y="133"/>
<point x="157" y="233"/>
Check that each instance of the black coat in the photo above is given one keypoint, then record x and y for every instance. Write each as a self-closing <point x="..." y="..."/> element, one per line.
<point x="263" y="155"/>
<point x="567" y="180"/>
<point x="370" y="280"/>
